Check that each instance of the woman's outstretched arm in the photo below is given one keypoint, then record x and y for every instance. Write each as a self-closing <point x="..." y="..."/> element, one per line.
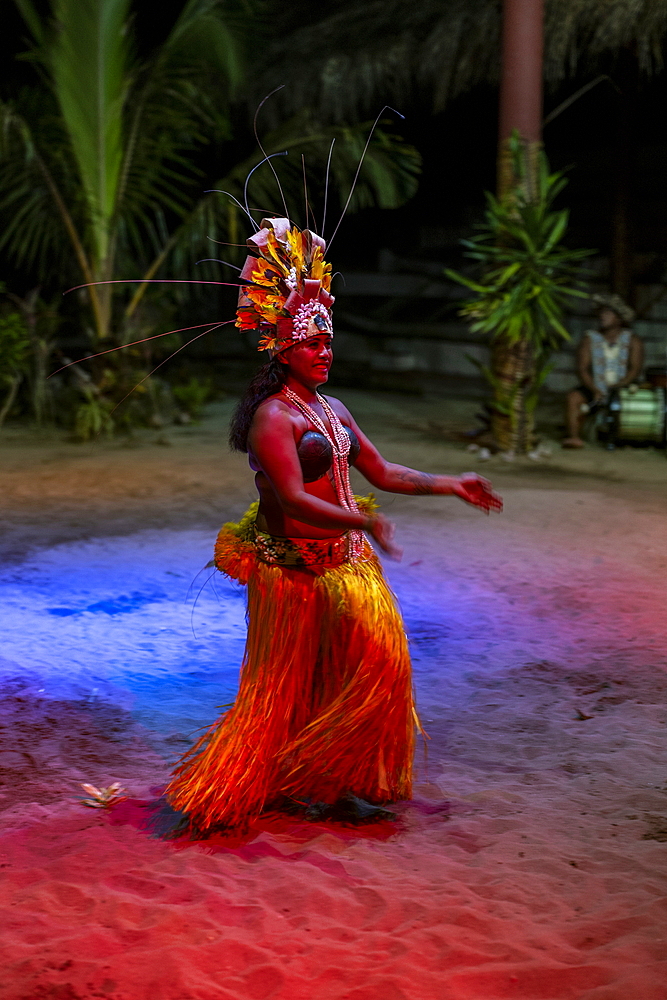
<point x="393" y="478"/>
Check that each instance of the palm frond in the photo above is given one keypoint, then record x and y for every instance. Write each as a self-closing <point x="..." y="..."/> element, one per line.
<point x="209" y="34"/>
<point x="32" y="19"/>
<point x="110" y="148"/>
<point x="180" y="104"/>
<point x="388" y="178"/>
<point x="33" y="229"/>
<point x="378" y="50"/>
<point x="89" y="64"/>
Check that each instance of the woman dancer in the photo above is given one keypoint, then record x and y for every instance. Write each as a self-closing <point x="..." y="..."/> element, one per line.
<point x="324" y="719"/>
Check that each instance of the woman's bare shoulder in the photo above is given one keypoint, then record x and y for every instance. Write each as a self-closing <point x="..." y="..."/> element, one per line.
<point x="274" y="404"/>
<point x="273" y="413"/>
<point x="338" y="407"/>
<point x="274" y="408"/>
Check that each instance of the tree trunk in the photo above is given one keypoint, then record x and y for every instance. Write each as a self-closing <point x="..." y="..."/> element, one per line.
<point x="10" y="397"/>
<point x="512" y="365"/>
<point x="520" y="88"/>
<point x="41" y="352"/>
<point x="41" y="397"/>
<point x="621" y="235"/>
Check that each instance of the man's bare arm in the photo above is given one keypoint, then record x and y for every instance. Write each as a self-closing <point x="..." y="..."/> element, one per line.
<point x="635" y="362"/>
<point x="585" y="365"/>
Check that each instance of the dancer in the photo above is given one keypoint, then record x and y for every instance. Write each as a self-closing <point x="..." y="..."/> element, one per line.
<point x="324" y="720"/>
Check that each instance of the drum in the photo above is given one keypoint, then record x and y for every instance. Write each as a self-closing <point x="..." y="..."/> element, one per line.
<point x="638" y="415"/>
<point x="657" y="377"/>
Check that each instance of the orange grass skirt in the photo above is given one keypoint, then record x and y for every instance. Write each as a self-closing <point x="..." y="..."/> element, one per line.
<point x="325" y="704"/>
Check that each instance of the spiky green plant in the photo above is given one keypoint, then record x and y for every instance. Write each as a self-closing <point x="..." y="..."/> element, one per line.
<point x="92" y="417"/>
<point x="14" y="354"/>
<point x="192" y="396"/>
<point x="528" y="275"/>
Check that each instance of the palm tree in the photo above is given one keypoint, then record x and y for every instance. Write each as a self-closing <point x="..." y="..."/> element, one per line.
<point x="436" y="49"/>
<point x="104" y="150"/>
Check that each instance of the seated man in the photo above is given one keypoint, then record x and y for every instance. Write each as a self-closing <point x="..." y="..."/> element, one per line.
<point x="609" y="358"/>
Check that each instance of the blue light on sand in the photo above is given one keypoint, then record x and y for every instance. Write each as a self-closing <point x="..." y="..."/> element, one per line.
<point x="120" y="606"/>
<point x="113" y="618"/>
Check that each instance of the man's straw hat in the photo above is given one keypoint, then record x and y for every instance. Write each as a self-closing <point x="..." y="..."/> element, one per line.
<point x="616" y="303"/>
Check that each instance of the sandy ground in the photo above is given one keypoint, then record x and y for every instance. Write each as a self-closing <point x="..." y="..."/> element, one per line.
<point x="531" y="862"/>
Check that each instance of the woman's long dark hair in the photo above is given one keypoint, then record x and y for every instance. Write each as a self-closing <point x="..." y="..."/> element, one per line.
<point x="267" y="382"/>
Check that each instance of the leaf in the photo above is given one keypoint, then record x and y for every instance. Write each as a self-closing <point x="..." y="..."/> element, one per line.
<point x="89" y="64"/>
<point x="31" y="18"/>
<point x="92" y="790"/>
<point x="523" y="291"/>
<point x="509" y="273"/>
<point x="33" y="229"/>
<point x="104" y="151"/>
<point x="463" y="280"/>
<point x="557" y="231"/>
<point x="388" y="177"/>
<point x="204" y="32"/>
<point x="103" y="798"/>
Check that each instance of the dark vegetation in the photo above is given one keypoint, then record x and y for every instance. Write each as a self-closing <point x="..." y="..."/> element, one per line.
<point x="183" y="82"/>
<point x="117" y="149"/>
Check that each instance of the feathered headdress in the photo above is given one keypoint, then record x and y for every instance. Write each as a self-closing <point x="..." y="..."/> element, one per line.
<point x="288" y="286"/>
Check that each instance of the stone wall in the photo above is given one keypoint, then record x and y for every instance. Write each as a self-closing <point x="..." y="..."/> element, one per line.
<point x="395" y="352"/>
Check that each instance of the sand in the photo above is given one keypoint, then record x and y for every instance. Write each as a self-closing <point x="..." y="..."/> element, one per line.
<point x="532" y="860"/>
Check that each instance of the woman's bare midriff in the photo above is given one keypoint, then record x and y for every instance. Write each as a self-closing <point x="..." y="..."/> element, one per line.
<point x="272" y="518"/>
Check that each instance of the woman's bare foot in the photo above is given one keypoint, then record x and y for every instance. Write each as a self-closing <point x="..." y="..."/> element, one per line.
<point x="573" y="443"/>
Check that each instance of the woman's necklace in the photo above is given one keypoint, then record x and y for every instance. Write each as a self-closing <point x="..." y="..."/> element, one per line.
<point x="339" y="440"/>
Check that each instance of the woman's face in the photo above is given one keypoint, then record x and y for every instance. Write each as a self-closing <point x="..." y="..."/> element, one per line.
<point x="309" y="361"/>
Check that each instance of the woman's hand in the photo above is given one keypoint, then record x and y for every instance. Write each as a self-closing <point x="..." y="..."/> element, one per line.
<point x="477" y="491"/>
<point x="381" y="529"/>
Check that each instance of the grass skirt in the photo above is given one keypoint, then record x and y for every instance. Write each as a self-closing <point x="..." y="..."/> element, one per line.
<point x="325" y="705"/>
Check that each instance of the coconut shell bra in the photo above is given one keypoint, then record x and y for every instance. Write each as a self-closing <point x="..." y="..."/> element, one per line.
<point x="316" y="454"/>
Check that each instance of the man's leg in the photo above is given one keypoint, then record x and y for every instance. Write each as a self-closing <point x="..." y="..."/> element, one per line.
<point x="574" y="416"/>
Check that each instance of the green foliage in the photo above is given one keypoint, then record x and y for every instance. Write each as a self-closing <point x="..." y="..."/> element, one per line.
<point x="390" y="177"/>
<point x="528" y="274"/>
<point x="92" y="417"/>
<point x="193" y="396"/>
<point x="88" y="59"/>
<point x="372" y="51"/>
<point x="14" y="347"/>
<point x="95" y="410"/>
<point x="103" y="155"/>
<point x="90" y="408"/>
<point x="100" y="150"/>
<point x="14" y="358"/>
<point x="104" y="150"/>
